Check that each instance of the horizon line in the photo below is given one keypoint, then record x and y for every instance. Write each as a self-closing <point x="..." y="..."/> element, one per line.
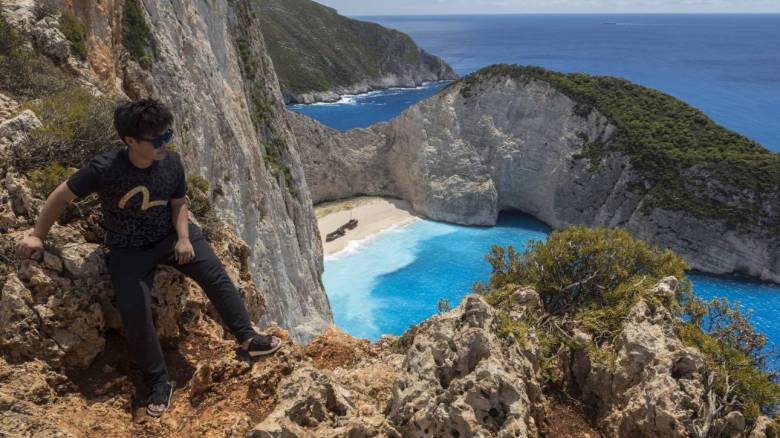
<point x="561" y="13"/>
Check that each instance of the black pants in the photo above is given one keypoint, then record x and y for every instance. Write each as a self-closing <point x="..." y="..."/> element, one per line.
<point x="132" y="274"/>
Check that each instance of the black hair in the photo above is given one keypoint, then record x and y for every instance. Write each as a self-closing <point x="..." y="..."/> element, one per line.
<point x="143" y="118"/>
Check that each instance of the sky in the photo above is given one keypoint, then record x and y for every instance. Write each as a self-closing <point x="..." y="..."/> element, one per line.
<point x="393" y="7"/>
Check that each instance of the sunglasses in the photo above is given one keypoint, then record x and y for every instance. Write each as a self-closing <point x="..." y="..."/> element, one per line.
<point x="161" y="139"/>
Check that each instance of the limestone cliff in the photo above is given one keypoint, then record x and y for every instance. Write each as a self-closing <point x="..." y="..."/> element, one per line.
<point x="320" y="55"/>
<point x="64" y="368"/>
<point x="545" y="144"/>
<point x="208" y="62"/>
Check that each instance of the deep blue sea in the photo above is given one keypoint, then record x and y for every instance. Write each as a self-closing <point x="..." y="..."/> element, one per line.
<point x="726" y="65"/>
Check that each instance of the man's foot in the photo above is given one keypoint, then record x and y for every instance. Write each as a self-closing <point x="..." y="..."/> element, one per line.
<point x="260" y="345"/>
<point x="160" y="398"/>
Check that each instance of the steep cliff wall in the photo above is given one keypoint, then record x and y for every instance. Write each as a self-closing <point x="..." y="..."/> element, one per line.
<point x="517" y="139"/>
<point x="208" y="61"/>
<point x="319" y="54"/>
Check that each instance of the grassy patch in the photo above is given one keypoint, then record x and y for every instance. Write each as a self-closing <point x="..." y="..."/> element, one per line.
<point x="667" y="141"/>
<point x="74" y="30"/>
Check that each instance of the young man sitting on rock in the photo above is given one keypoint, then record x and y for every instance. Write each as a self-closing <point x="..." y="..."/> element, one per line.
<point x="142" y="194"/>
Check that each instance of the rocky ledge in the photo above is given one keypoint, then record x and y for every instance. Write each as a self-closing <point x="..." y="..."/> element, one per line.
<point x="515" y="138"/>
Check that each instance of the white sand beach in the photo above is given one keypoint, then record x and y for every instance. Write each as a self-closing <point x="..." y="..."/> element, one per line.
<point x="373" y="214"/>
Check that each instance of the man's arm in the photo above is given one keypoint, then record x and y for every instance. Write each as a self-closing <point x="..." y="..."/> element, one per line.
<point x="32" y="245"/>
<point x="180" y="217"/>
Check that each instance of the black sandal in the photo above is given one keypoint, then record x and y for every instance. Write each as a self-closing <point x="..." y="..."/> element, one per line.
<point x="260" y="345"/>
<point x="160" y="394"/>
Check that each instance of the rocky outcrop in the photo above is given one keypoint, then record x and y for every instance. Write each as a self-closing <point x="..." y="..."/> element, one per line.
<point x="504" y="142"/>
<point x="320" y="55"/>
<point x="656" y="386"/>
<point x="462" y="380"/>
<point x="451" y="375"/>
<point x="198" y="69"/>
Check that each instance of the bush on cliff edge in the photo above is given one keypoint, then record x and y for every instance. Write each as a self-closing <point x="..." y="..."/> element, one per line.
<point x="591" y="277"/>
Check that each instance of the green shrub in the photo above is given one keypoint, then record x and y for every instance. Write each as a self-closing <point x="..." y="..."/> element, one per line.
<point x="735" y="373"/>
<point x="45" y="8"/>
<point x="582" y="267"/>
<point x="198" y="195"/>
<point x="45" y="179"/>
<point x="10" y="40"/>
<point x="74" y="30"/>
<point x="76" y="126"/>
<point x="518" y="328"/>
<point x="737" y="354"/>
<point x="199" y="204"/>
<point x="137" y="38"/>
<point x="591" y="278"/>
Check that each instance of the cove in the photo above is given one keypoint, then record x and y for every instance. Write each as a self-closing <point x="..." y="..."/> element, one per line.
<point x="395" y="278"/>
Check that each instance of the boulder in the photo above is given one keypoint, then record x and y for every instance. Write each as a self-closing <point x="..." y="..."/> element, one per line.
<point x="50" y="40"/>
<point x="459" y="379"/>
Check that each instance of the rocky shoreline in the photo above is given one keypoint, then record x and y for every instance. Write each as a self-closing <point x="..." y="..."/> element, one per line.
<point x="335" y="95"/>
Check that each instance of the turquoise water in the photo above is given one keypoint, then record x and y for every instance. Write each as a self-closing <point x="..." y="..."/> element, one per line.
<point x="394" y="279"/>
<point x="726" y="65"/>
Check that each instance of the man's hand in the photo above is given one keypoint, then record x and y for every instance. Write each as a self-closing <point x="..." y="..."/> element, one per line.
<point x="184" y="251"/>
<point x="31" y="247"/>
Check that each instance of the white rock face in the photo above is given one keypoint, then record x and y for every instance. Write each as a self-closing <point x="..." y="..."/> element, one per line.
<point x="196" y="70"/>
<point x="514" y="145"/>
<point x="198" y="73"/>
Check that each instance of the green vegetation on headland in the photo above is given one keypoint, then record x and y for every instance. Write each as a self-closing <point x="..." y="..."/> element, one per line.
<point x="686" y="161"/>
<point x="316" y="49"/>
<point x="589" y="280"/>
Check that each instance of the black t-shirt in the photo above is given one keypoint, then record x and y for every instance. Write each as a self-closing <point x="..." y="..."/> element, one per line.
<point x="135" y="201"/>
